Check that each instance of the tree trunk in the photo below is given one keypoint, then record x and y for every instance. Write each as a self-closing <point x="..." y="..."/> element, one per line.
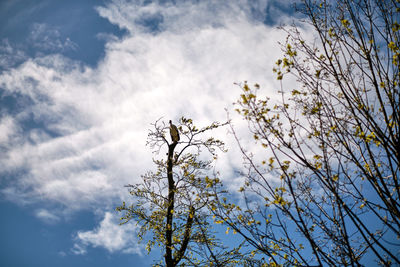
<point x="171" y="197"/>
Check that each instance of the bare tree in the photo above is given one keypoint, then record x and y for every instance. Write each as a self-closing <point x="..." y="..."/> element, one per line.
<point x="329" y="192"/>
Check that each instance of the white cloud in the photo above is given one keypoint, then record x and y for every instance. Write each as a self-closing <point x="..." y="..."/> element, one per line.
<point x="47" y="216"/>
<point x="48" y="38"/>
<point x="96" y="119"/>
<point x="110" y="236"/>
<point x="9" y="55"/>
<point x="62" y="254"/>
<point x="101" y="115"/>
<point x="8" y="130"/>
<point x="79" y="249"/>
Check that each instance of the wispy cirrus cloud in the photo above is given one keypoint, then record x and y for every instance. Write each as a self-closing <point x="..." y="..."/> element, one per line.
<point x="47" y="38"/>
<point x="10" y="56"/>
<point x="47" y="216"/>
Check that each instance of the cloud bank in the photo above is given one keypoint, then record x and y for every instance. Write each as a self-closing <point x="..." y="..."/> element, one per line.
<point x="78" y="134"/>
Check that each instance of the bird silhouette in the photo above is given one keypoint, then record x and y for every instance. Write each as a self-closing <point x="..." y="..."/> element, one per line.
<point x="173" y="130"/>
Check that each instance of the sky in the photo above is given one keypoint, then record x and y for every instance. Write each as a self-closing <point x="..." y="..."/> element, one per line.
<point x="80" y="84"/>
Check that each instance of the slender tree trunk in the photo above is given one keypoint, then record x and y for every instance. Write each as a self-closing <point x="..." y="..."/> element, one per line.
<point x="169" y="261"/>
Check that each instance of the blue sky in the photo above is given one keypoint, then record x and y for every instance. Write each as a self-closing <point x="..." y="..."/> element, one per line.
<point x="80" y="83"/>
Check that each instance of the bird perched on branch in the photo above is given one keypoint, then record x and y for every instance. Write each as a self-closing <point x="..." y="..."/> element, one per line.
<point x="173" y="130"/>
